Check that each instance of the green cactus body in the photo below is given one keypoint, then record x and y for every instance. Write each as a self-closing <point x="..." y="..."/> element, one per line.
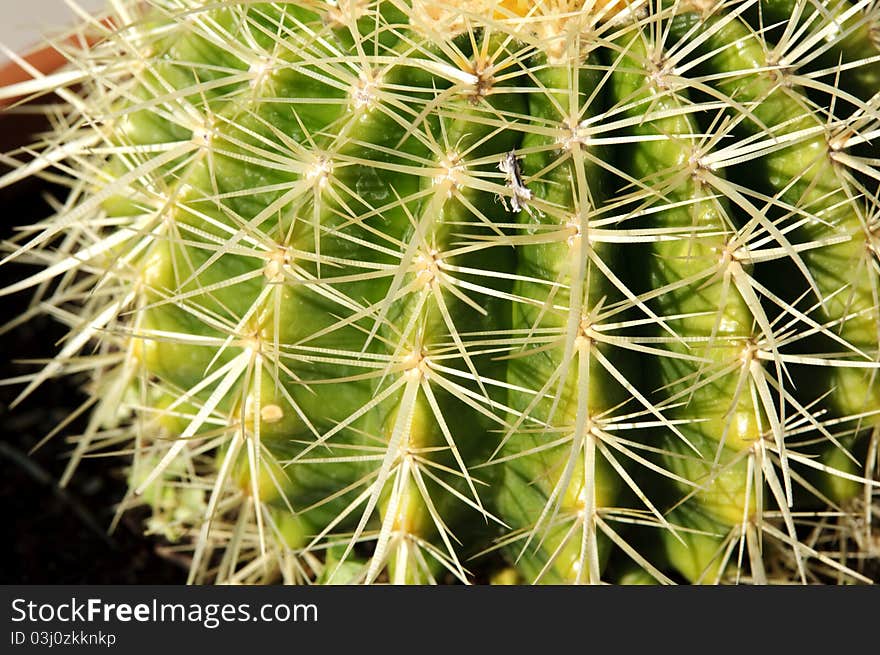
<point x="707" y="373"/>
<point x="561" y="289"/>
<point x="348" y="344"/>
<point x="851" y="36"/>
<point x="389" y="290"/>
<point x="805" y="174"/>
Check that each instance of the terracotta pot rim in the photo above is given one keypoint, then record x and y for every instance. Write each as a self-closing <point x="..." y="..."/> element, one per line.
<point x="46" y="59"/>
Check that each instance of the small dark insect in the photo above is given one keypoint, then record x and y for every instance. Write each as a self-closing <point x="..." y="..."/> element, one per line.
<point x="509" y="165"/>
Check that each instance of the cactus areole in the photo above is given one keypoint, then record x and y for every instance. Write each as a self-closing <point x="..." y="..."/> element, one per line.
<point x="479" y="290"/>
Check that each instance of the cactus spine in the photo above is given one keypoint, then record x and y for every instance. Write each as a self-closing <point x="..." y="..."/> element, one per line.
<point x="384" y="287"/>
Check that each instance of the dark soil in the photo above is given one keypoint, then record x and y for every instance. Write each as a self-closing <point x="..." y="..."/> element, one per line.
<point x="54" y="535"/>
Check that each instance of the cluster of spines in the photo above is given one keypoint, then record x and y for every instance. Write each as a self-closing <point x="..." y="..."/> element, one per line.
<point x="295" y="234"/>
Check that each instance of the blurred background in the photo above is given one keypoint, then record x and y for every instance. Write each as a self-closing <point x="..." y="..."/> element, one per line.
<point x="26" y="22"/>
<point x="53" y="535"/>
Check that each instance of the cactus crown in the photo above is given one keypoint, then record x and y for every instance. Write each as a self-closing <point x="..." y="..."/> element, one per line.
<point x="375" y="289"/>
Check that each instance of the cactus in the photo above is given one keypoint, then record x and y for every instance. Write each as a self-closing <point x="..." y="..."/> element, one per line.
<point x="533" y="292"/>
